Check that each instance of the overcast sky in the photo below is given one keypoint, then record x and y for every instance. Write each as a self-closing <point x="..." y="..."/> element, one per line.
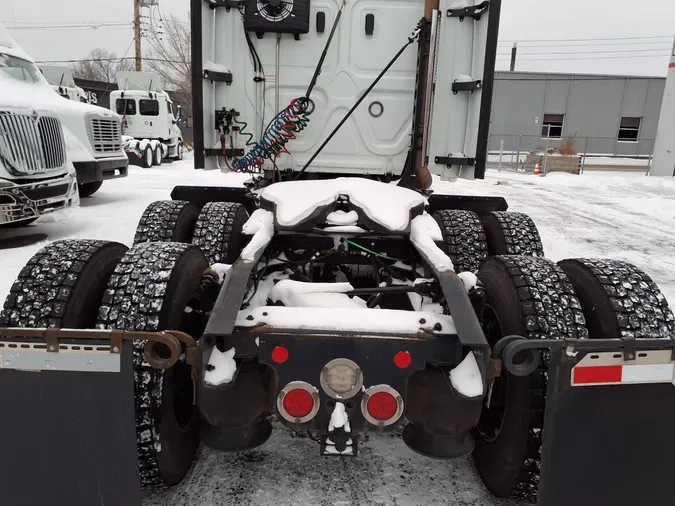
<point x="641" y="31"/>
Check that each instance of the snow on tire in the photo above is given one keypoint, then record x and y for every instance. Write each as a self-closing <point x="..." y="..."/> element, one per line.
<point x="512" y="234"/>
<point x="149" y="291"/>
<point x="218" y="231"/>
<point x="531" y="297"/>
<point x="619" y="299"/>
<point x="464" y="238"/>
<point x="62" y="285"/>
<point x="167" y="221"/>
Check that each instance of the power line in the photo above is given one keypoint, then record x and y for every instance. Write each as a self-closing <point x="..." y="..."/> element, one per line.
<point x="667" y="43"/>
<point x="73" y="26"/>
<point x="115" y="60"/>
<point x="670" y="37"/>
<point x="545" y="53"/>
<point x="664" y="55"/>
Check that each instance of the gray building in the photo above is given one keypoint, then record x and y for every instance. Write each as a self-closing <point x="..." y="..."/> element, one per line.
<point x="593" y="114"/>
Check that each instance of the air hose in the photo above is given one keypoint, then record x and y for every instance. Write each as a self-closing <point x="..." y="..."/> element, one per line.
<point x="289" y="122"/>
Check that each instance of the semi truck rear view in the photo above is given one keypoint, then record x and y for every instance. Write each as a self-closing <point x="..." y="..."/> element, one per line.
<point x="334" y="293"/>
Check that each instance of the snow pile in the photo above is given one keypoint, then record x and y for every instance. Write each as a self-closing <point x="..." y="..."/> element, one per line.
<point x="342" y="218"/>
<point x="327" y="295"/>
<point x="261" y="226"/>
<point x="222" y="367"/>
<point x="469" y="280"/>
<point x="361" y="320"/>
<point x="345" y="229"/>
<point x="423" y="232"/>
<point x="385" y="204"/>
<point x="221" y="270"/>
<point x="339" y="419"/>
<point x="466" y="377"/>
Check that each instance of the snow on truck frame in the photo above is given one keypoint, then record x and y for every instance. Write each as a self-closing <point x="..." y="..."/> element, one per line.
<point x="334" y="292"/>
<point x="149" y="124"/>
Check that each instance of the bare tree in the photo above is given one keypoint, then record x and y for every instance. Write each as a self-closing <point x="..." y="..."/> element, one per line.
<point x="101" y="65"/>
<point x="170" y="57"/>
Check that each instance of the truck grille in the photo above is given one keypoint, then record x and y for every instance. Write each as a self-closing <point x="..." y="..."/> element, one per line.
<point x="106" y="135"/>
<point x="31" y="144"/>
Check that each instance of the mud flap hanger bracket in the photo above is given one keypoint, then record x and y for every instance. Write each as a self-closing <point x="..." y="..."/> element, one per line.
<point x="158" y="343"/>
<point x="529" y="350"/>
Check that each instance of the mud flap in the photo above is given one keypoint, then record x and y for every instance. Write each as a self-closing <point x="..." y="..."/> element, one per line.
<point x="68" y="435"/>
<point x="608" y="436"/>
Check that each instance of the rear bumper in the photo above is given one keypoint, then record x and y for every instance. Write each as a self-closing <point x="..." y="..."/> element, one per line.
<point x="430" y="401"/>
<point x="28" y="201"/>
<point x="102" y="169"/>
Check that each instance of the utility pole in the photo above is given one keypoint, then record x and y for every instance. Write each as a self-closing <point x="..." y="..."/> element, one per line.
<point x="137" y="32"/>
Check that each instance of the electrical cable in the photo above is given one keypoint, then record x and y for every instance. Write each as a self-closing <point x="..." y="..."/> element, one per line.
<point x="380" y="255"/>
<point x="281" y="129"/>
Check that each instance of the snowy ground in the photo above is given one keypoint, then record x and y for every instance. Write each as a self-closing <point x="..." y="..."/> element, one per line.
<point x="630" y="217"/>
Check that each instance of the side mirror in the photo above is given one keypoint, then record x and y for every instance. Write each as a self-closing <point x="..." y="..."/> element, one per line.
<point x="179" y="112"/>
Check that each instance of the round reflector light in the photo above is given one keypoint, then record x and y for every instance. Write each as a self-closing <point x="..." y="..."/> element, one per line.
<point x="382" y="405"/>
<point x="402" y="359"/>
<point x="298" y="403"/>
<point x="279" y="355"/>
<point x="341" y="378"/>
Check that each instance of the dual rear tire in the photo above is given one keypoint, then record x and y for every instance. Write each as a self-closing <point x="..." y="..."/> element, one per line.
<point x="81" y="284"/>
<point x="469" y="239"/>
<point x="538" y="299"/>
<point x="216" y="229"/>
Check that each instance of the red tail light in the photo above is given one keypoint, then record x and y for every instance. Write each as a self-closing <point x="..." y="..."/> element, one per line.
<point x="298" y="402"/>
<point x="382" y="405"/>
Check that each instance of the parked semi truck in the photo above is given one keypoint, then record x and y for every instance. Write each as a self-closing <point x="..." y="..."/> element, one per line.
<point x="92" y="134"/>
<point x="149" y="119"/>
<point x="36" y="173"/>
<point x="334" y="293"/>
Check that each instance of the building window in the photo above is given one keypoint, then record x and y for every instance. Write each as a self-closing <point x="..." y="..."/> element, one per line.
<point x="126" y="106"/>
<point x="552" y="126"/>
<point x="148" y="107"/>
<point x="629" y="129"/>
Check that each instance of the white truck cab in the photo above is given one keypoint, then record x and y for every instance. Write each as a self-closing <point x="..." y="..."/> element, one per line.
<point x="37" y="175"/>
<point x="62" y="82"/>
<point x="149" y="118"/>
<point x="92" y="133"/>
